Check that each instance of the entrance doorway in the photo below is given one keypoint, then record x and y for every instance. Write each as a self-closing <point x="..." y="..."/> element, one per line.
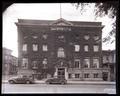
<point x="61" y="73"/>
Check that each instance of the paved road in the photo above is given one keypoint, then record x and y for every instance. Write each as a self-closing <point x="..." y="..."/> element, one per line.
<point x="56" y="88"/>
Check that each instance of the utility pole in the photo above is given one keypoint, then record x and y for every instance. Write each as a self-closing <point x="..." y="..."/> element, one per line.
<point x="60" y="11"/>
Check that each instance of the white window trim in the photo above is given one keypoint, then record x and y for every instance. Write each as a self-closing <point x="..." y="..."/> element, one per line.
<point x="89" y="61"/>
<point x="45" y="47"/>
<point x="94" y="49"/>
<point x="34" y="65"/>
<point x="61" y="52"/>
<point x="79" y="62"/>
<point x="86" y="47"/>
<point x="77" y="48"/>
<point x="35" y="47"/>
<point x="86" y="37"/>
<point x="24" y="47"/>
<point x="98" y="61"/>
<point x="26" y="65"/>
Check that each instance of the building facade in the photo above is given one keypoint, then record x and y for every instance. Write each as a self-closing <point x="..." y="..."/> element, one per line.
<point x="109" y="62"/>
<point x="10" y="63"/>
<point x="61" y="48"/>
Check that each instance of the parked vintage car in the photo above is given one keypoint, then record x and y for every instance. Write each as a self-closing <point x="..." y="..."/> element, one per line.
<point x="21" y="80"/>
<point x="56" y="81"/>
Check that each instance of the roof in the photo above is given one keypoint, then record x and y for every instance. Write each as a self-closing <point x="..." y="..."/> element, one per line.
<point x="52" y="22"/>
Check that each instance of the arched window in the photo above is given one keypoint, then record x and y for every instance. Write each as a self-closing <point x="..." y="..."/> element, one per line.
<point x="61" y="52"/>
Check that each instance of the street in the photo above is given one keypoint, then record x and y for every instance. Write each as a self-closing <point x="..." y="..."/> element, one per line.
<point x="56" y="88"/>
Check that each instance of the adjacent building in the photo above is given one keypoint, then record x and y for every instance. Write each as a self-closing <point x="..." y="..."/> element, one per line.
<point x="61" y="48"/>
<point x="10" y="63"/>
<point x="109" y="62"/>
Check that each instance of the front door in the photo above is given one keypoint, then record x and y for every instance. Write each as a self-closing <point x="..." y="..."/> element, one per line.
<point x="61" y="73"/>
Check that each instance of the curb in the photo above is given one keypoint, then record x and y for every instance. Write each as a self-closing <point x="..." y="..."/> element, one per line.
<point x="83" y="83"/>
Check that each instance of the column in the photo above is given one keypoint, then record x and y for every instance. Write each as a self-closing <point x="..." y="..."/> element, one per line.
<point x="56" y="71"/>
<point x="66" y="73"/>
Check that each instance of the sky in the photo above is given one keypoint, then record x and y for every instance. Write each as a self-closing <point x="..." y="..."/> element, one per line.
<point x="47" y="11"/>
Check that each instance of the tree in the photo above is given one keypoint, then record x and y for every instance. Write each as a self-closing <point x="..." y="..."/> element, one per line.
<point x="101" y="9"/>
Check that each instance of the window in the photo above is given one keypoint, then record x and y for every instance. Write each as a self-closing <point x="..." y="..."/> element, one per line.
<point x="96" y="75"/>
<point x="77" y="63"/>
<point x="45" y="36"/>
<point x="77" y="36"/>
<point x="25" y="63"/>
<point x="61" y="52"/>
<point x="35" y="37"/>
<point x="96" y="48"/>
<point x="96" y="37"/>
<point x="86" y="75"/>
<point x="105" y="59"/>
<point x="95" y="63"/>
<point x="69" y="75"/>
<point x="77" y="48"/>
<point x="44" y="63"/>
<point x="86" y="48"/>
<point x="34" y="63"/>
<point x="86" y="37"/>
<point x="61" y="37"/>
<point x="24" y="47"/>
<point x="77" y="75"/>
<point x="45" y="48"/>
<point x="35" y="47"/>
<point x="86" y="63"/>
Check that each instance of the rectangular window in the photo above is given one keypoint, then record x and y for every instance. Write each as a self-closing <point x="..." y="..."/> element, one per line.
<point x="77" y="63"/>
<point x="34" y="63"/>
<point x="77" y="48"/>
<point x="87" y="63"/>
<point x="35" y="47"/>
<point x="95" y="63"/>
<point x="45" y="48"/>
<point x="86" y="48"/>
<point x="44" y="63"/>
<point x="25" y="63"/>
<point x="96" y="75"/>
<point x="77" y="75"/>
<point x="69" y="76"/>
<point x="45" y="36"/>
<point x="95" y="48"/>
<point x="61" y="52"/>
<point x="86" y="75"/>
<point x="24" y="47"/>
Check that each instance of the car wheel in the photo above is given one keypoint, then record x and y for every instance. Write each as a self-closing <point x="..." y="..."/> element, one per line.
<point x="27" y="82"/>
<point x="11" y="82"/>
<point x="62" y="83"/>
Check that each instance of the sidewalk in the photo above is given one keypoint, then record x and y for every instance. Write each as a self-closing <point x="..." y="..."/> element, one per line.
<point x="82" y="82"/>
<point x="74" y="82"/>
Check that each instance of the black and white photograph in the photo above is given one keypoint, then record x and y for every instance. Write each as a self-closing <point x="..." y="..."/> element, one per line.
<point x="59" y="48"/>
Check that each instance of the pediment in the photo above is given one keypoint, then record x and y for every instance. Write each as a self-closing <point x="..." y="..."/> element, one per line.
<point x="62" y="22"/>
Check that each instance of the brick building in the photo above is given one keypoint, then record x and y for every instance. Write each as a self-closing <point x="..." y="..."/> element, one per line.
<point x="10" y="63"/>
<point x="109" y="62"/>
<point x="66" y="49"/>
